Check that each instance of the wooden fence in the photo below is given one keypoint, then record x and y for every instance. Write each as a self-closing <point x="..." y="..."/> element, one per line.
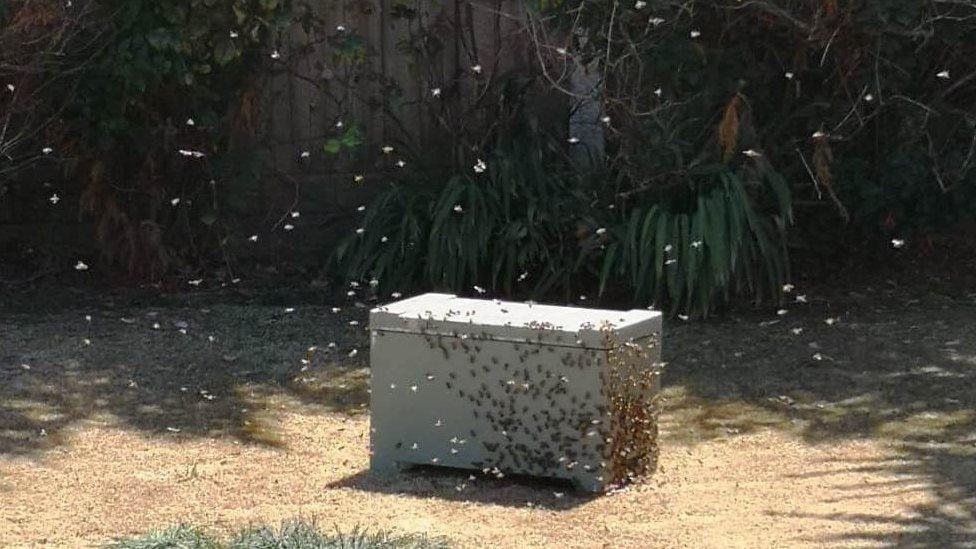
<point x="393" y="98"/>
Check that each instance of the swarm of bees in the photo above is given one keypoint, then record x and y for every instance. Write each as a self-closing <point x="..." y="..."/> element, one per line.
<point x="553" y="408"/>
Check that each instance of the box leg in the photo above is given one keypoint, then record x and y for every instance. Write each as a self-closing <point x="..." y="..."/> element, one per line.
<point x="388" y="468"/>
<point x="586" y="483"/>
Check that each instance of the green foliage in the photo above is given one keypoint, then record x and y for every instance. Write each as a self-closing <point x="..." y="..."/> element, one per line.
<point x="519" y="216"/>
<point x="168" y="63"/>
<point x="350" y="139"/>
<point x="303" y="535"/>
<point x="176" y="537"/>
<point x="169" y="60"/>
<point x="292" y="535"/>
<point x="695" y="257"/>
<point x="720" y="113"/>
<point x="347" y="48"/>
<point x="676" y="179"/>
<point x="720" y="116"/>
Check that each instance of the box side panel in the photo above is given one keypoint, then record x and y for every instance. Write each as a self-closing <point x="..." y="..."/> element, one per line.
<point x="632" y="383"/>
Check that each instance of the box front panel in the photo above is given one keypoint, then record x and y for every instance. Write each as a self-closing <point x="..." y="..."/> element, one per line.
<point x="532" y="409"/>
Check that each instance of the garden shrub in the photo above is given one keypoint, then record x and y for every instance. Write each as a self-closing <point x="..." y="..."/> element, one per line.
<point x="513" y="221"/>
<point x="866" y="107"/>
<point x="725" y="122"/>
<point x="114" y="90"/>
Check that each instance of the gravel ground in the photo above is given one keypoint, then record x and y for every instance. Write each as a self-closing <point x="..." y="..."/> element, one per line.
<point x="847" y="421"/>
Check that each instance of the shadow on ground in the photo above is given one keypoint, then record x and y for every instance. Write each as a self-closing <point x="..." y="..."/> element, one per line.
<point x="887" y="367"/>
<point x="876" y="365"/>
<point x="450" y="484"/>
<point x="948" y="521"/>
<point x="223" y="370"/>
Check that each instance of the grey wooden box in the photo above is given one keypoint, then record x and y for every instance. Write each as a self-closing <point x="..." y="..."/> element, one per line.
<point x="509" y="387"/>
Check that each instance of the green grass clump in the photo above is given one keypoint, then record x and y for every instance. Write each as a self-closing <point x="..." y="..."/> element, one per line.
<point x="176" y="537"/>
<point x="292" y="535"/>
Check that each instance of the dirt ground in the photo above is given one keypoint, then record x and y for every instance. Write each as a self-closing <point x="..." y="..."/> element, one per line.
<point x="850" y="421"/>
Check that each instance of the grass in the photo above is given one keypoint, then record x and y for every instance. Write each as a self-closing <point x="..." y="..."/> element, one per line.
<point x="176" y="537"/>
<point x="298" y="534"/>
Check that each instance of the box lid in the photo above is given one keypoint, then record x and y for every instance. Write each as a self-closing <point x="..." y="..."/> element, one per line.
<point x="446" y="314"/>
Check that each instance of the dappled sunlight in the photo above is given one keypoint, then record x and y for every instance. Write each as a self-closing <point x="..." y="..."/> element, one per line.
<point x="222" y="371"/>
<point x="946" y="519"/>
<point x="687" y="418"/>
<point x="334" y="389"/>
<point x="955" y="356"/>
<point x="254" y="380"/>
<point x="889" y="375"/>
<point x="258" y="414"/>
<point x="926" y="425"/>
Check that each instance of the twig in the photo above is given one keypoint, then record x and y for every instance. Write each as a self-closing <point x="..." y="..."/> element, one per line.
<point x="816" y="183"/>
